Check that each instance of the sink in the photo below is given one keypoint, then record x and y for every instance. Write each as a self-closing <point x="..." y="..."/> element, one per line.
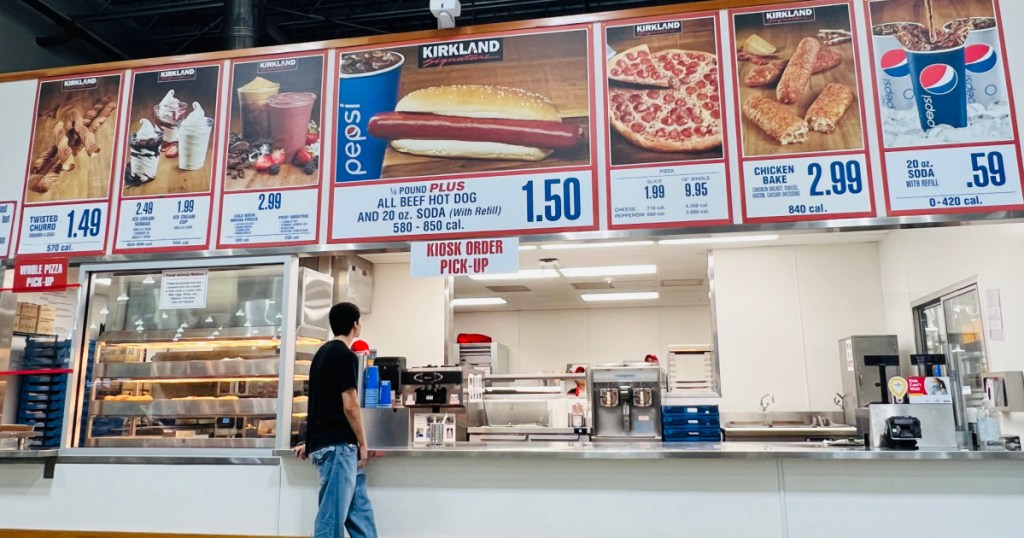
<point x="772" y="424"/>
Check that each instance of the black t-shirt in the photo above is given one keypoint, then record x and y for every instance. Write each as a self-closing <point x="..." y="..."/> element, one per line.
<point x="333" y="372"/>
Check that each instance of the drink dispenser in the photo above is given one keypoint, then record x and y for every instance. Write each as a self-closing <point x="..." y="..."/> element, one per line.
<point x="627" y="402"/>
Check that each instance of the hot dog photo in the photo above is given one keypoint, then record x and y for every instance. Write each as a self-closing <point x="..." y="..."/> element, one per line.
<point x="797" y="80"/>
<point x="664" y="91"/>
<point x="514" y="102"/>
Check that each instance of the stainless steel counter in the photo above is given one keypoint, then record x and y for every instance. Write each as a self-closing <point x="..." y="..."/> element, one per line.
<point x="649" y="451"/>
<point x="46" y="458"/>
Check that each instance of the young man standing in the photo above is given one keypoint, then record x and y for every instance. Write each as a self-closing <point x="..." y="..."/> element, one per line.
<point x="334" y="433"/>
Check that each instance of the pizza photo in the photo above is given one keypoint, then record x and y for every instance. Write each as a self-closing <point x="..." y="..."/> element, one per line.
<point x="664" y="92"/>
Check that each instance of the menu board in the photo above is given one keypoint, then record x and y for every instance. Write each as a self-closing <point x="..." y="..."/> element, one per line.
<point x="271" y="191"/>
<point x="482" y="136"/>
<point x="666" y="130"/>
<point x="169" y="154"/>
<point x="7" y="210"/>
<point x="802" y="124"/>
<point x="70" y="166"/>
<point x="946" y="119"/>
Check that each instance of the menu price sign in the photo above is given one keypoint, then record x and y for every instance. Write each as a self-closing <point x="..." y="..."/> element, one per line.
<point x="40" y="274"/>
<point x="945" y="108"/>
<point x="803" y="133"/>
<point x="666" y="126"/>
<point x="465" y="137"/>
<point x="170" y="154"/>
<point x="271" y="194"/>
<point x="70" y="169"/>
<point x="6" y="223"/>
<point x="466" y="257"/>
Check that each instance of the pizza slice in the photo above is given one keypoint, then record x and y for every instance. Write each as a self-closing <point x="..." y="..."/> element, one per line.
<point x="666" y="120"/>
<point x="636" y="66"/>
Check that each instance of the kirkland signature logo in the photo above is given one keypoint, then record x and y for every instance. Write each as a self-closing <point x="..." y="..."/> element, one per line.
<point x="783" y="16"/>
<point x="172" y="75"/>
<point x="462" y="52"/>
<point x="657" y="28"/>
<point x="79" y="84"/>
<point x="277" y="66"/>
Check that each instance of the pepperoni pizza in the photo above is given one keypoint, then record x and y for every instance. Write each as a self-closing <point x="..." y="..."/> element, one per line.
<point x="666" y="101"/>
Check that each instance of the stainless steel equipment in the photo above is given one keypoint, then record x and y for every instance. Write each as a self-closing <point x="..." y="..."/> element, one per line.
<point x="1005" y="390"/>
<point x="938" y="431"/>
<point x="862" y="382"/>
<point x="444" y="389"/>
<point x="626" y="402"/>
<point x="386" y="427"/>
<point x="530" y="407"/>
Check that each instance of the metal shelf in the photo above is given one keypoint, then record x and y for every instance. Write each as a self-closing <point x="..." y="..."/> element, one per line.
<point x="517" y="377"/>
<point x="186" y="442"/>
<point x="186" y="408"/>
<point x="211" y="369"/>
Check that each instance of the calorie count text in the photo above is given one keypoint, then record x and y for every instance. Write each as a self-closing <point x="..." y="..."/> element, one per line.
<point x="837" y="178"/>
<point x="988" y="170"/>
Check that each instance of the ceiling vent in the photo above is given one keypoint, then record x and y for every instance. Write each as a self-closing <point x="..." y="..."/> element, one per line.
<point x="584" y="286"/>
<point x="508" y="289"/>
<point x="674" y="282"/>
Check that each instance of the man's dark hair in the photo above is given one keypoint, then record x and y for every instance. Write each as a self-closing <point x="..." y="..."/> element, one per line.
<point x="343" y="318"/>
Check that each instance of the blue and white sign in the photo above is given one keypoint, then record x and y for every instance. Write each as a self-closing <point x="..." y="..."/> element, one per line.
<point x="64" y="229"/>
<point x="521" y="203"/>
<point x="163" y="223"/>
<point x="954" y="179"/>
<point x="269" y="218"/>
<point x="669" y="195"/>
<point x="6" y="225"/>
<point x="809" y="187"/>
<point x="465" y="257"/>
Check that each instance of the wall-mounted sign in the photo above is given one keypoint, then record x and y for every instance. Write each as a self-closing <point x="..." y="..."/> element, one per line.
<point x="7" y="210"/>
<point x="465" y="257"/>
<point x="40" y="274"/>
<point x="183" y="289"/>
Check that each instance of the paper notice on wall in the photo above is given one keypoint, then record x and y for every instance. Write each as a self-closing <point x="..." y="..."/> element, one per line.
<point x="994" y="315"/>
<point x="183" y="289"/>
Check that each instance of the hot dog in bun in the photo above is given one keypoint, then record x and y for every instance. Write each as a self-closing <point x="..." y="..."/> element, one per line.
<point x="476" y="122"/>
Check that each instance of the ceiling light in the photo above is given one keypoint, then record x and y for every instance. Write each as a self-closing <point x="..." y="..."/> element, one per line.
<point x="527" y="247"/>
<point x="478" y="301"/>
<point x="103" y="281"/>
<point x="571" y="246"/>
<point x="148" y="280"/>
<point x="122" y="298"/>
<point x="528" y="274"/>
<point x="632" y="296"/>
<point x="104" y="311"/>
<point x="209" y="319"/>
<point x="611" y="270"/>
<point x="722" y="239"/>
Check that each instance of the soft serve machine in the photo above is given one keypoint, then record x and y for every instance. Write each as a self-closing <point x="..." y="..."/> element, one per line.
<point x="626" y="402"/>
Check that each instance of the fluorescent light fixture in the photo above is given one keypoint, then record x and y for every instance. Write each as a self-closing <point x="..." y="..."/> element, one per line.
<point x="631" y="296"/>
<point x="528" y="274"/>
<point x="148" y="280"/>
<point x="573" y="246"/>
<point x="122" y="298"/>
<point x="104" y="311"/>
<point x="610" y="270"/>
<point x="478" y="301"/>
<point x="527" y="247"/>
<point x="103" y="281"/>
<point x="209" y="319"/>
<point x="722" y="239"/>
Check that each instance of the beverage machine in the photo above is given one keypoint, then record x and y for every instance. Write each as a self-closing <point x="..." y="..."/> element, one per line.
<point x="626" y="402"/>
<point x="451" y="394"/>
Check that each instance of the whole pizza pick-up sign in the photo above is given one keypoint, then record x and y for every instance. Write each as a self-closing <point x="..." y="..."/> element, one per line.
<point x="41" y="274"/>
<point x="469" y="257"/>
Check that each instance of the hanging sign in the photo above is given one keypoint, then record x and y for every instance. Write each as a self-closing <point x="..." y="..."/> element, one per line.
<point x="40" y="274"/>
<point x="465" y="258"/>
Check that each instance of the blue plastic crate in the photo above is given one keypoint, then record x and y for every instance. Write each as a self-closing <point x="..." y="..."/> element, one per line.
<point x="46" y="389"/>
<point x="692" y="420"/>
<point x="689" y="410"/>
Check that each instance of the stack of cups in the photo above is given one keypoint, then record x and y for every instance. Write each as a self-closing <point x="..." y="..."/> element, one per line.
<point x="371" y="388"/>
<point x="385" y="394"/>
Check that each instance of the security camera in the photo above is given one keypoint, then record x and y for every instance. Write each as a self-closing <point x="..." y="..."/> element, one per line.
<point x="445" y="11"/>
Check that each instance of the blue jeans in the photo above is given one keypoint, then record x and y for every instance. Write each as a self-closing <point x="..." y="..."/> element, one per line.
<point x="343" y="499"/>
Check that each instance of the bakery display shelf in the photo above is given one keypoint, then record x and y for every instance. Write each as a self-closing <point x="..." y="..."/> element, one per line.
<point x="187" y="408"/>
<point x="166" y="337"/>
<point x="180" y="442"/>
<point x="211" y="370"/>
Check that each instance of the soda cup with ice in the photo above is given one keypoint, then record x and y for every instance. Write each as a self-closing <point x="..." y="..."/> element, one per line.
<point x="940" y="87"/>
<point x="895" y="89"/>
<point x="986" y="82"/>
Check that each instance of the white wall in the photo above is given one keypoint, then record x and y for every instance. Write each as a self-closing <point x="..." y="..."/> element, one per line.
<point x="780" y="314"/>
<point x="407" y="318"/>
<point x="918" y="263"/>
<point x="547" y="340"/>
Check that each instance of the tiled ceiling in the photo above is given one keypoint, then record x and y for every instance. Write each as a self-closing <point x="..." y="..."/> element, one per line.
<point x="129" y="29"/>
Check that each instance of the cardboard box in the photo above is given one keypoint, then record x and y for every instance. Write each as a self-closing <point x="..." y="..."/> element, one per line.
<point x="25" y="324"/>
<point x="45" y="326"/>
<point x="28" y="310"/>
<point x="47" y="314"/>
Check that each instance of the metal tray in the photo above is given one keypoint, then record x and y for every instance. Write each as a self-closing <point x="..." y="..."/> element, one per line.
<point x="186" y="408"/>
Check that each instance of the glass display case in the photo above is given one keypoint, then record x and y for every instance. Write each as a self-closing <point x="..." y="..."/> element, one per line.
<point x="166" y="368"/>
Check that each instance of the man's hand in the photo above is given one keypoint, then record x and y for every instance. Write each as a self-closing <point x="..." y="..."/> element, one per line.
<point x="299" y="451"/>
<point x="364" y="456"/>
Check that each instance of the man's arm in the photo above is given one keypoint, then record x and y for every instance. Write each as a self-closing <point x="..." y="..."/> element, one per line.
<point x="350" y="403"/>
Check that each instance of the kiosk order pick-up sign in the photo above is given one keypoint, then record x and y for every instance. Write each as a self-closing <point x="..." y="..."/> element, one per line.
<point x="465" y="258"/>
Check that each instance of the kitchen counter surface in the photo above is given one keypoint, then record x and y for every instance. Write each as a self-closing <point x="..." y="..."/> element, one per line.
<point x="655" y="450"/>
<point x="46" y="458"/>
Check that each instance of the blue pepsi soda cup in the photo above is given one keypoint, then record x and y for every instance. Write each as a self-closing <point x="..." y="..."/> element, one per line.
<point x="368" y="85"/>
<point x="940" y="86"/>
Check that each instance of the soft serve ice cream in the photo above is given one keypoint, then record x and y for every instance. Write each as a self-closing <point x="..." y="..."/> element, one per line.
<point x="168" y="113"/>
<point x="144" y="148"/>
<point x="194" y="139"/>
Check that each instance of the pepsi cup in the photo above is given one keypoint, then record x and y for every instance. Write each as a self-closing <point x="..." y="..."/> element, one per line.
<point x="895" y="89"/>
<point x="940" y="86"/>
<point x="986" y="82"/>
<point x="368" y="85"/>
